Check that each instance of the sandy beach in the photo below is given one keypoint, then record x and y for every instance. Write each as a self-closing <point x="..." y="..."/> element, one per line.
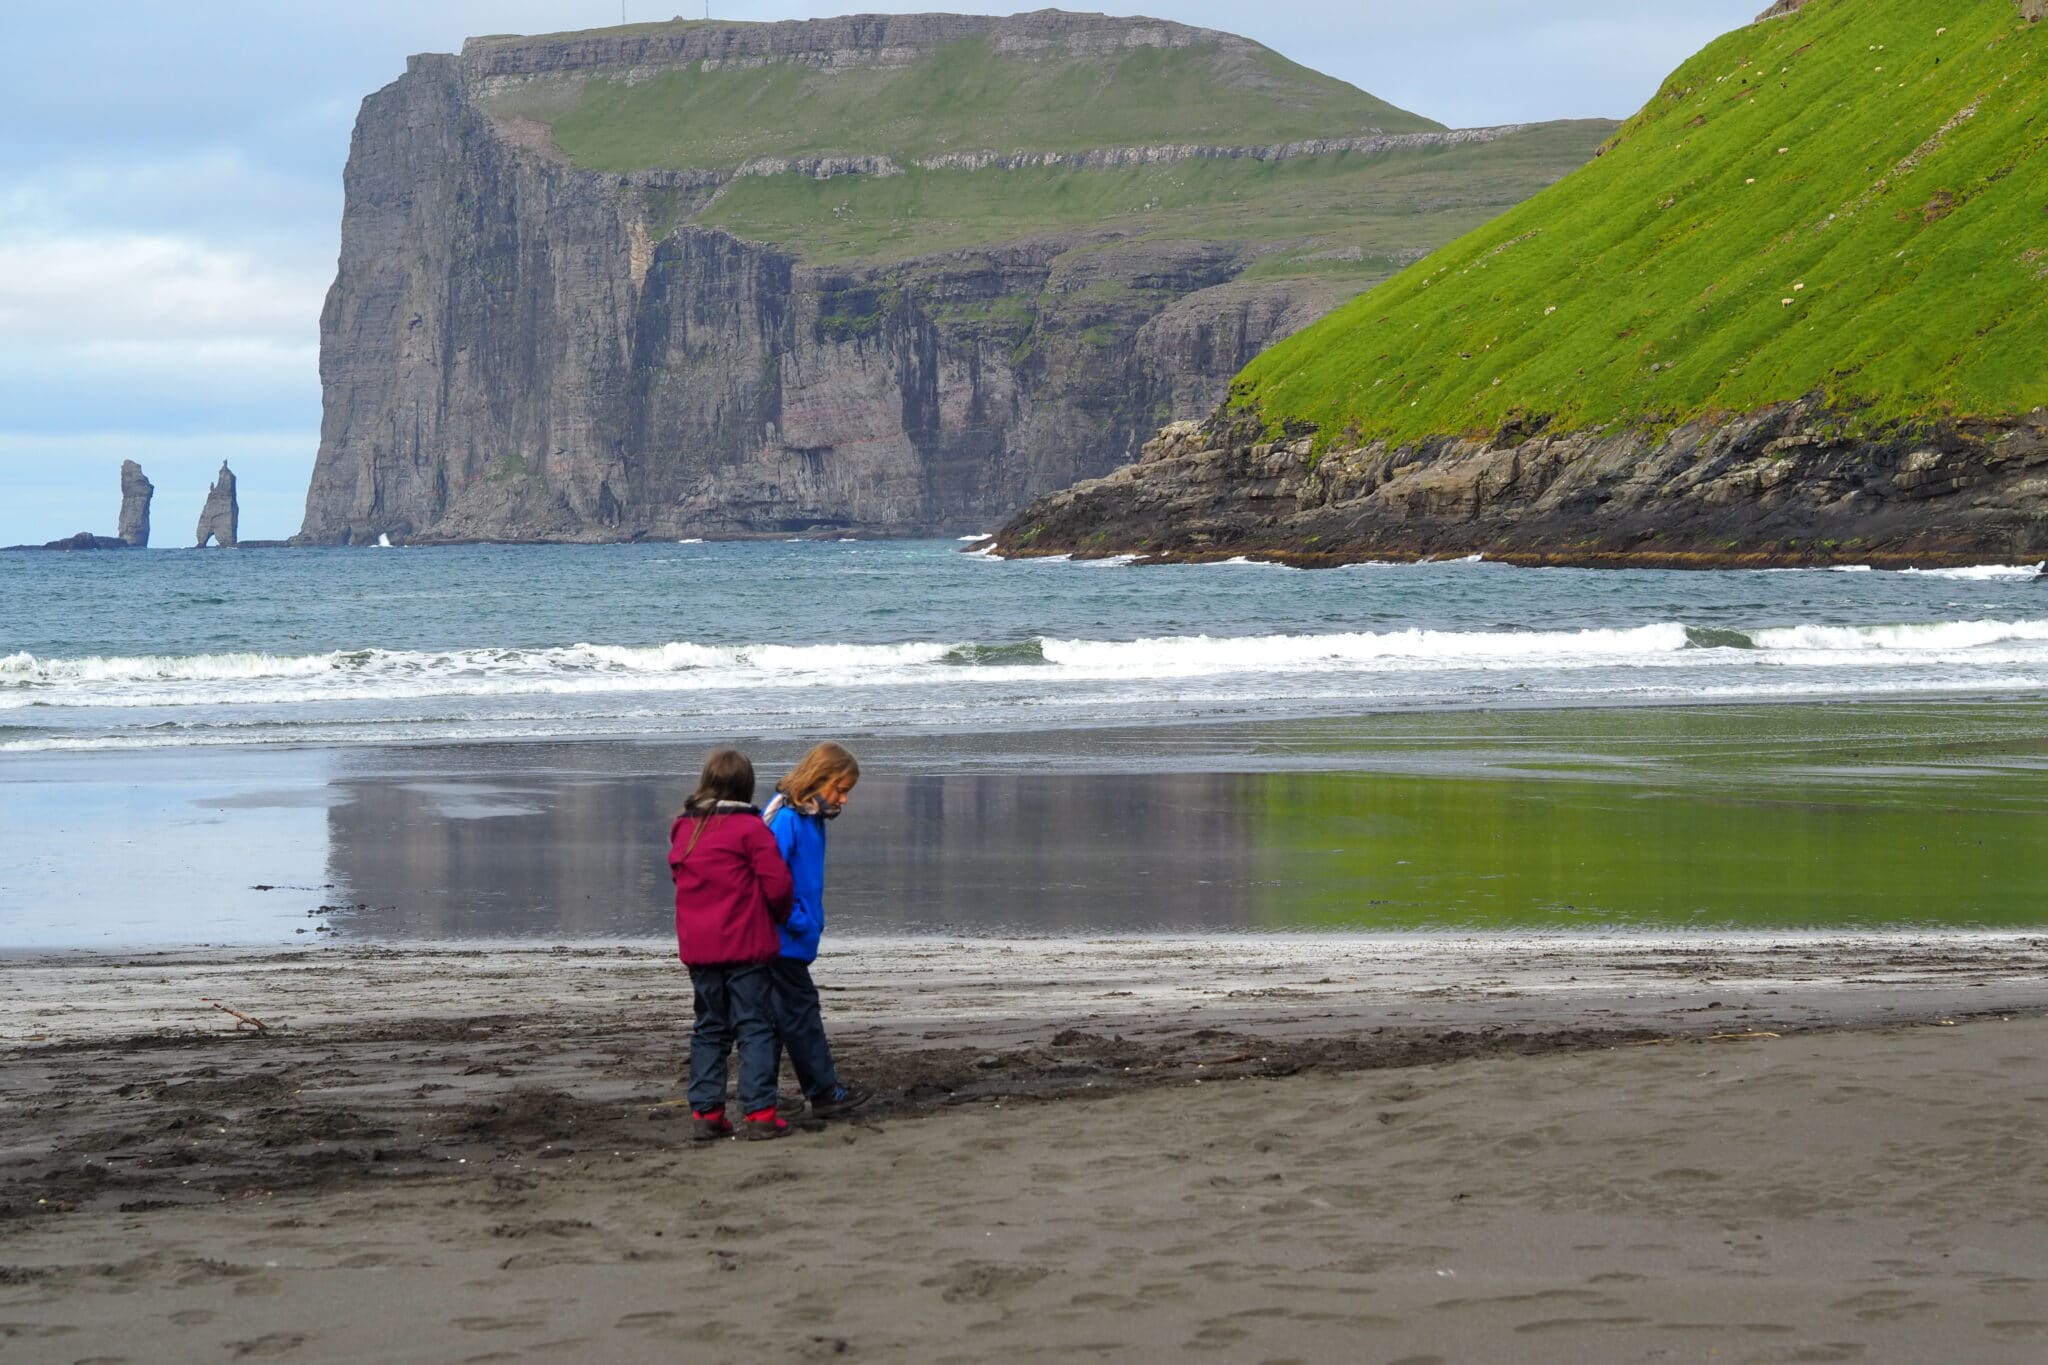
<point x="1746" y="1148"/>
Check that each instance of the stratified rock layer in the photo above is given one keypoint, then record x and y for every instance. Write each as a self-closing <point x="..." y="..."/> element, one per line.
<point x="517" y="348"/>
<point x="1782" y="486"/>
<point x="136" y="491"/>
<point x="221" y="517"/>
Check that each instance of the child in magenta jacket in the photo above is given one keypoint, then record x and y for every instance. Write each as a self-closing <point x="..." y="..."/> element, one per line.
<point x="732" y="890"/>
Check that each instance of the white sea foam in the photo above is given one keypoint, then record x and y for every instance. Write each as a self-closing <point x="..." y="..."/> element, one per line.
<point x="985" y="535"/>
<point x="1982" y="572"/>
<point x="1202" y="654"/>
<point x="26" y="669"/>
<point x="346" y="696"/>
<point x="682" y="665"/>
<point x="1940" y="636"/>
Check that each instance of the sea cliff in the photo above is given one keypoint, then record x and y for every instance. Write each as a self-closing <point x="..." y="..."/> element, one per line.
<point x="550" y="329"/>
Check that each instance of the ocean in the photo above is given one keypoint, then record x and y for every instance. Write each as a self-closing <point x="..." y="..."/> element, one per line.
<point x="487" y="743"/>
<point x="171" y="649"/>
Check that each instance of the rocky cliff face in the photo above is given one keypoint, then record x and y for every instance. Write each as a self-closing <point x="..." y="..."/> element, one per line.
<point x="519" y="348"/>
<point x="136" y="491"/>
<point x="1788" y="485"/>
<point x="221" y="517"/>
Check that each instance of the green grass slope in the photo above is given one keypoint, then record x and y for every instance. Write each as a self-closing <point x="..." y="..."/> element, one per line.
<point x="1350" y="218"/>
<point x="963" y="96"/>
<point x="1852" y="199"/>
<point x="1350" y="214"/>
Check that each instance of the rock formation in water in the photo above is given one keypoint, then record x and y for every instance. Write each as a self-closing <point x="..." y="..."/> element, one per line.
<point x="222" y="515"/>
<point x="136" y="491"/>
<point x="532" y="337"/>
<point x="84" y="540"/>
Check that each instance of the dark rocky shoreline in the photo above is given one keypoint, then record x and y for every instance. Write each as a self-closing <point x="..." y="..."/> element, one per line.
<point x="1792" y="485"/>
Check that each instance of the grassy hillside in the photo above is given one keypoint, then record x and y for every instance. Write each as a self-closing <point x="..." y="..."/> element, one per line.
<point x="1347" y="214"/>
<point x="1352" y="219"/>
<point x="1852" y="199"/>
<point x="963" y="96"/>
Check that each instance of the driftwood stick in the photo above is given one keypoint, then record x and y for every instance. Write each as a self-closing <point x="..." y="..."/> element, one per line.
<point x="248" y="1019"/>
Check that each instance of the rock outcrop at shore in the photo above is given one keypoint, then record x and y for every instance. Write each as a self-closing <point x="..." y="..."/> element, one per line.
<point x="1783" y="486"/>
<point x="222" y="516"/>
<point x="84" y="540"/>
<point x="136" y="492"/>
<point x="519" y="347"/>
<point x="1822" y="351"/>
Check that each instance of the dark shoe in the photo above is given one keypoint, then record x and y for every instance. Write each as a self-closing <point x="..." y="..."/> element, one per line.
<point x="789" y="1099"/>
<point x="765" y="1123"/>
<point x="707" y="1124"/>
<point x="840" y="1099"/>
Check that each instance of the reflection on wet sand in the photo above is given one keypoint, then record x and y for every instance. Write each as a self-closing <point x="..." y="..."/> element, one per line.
<point x="583" y="856"/>
<point x="586" y="857"/>
<point x="1849" y="816"/>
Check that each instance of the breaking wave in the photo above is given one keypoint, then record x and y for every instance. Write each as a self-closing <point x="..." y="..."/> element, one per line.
<point x="1981" y="572"/>
<point x="1045" y="663"/>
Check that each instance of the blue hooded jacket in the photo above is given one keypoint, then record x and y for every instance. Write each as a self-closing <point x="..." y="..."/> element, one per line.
<point x="802" y="841"/>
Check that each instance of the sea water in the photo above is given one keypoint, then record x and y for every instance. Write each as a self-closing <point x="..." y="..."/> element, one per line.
<point x="488" y="742"/>
<point x="170" y="649"/>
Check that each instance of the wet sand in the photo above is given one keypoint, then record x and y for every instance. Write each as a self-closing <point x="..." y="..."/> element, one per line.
<point x="1744" y="1148"/>
<point x="1859" y="815"/>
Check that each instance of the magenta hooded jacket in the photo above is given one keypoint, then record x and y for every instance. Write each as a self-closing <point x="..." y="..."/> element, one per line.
<point x="732" y="887"/>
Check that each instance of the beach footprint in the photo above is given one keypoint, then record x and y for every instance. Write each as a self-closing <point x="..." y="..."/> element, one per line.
<point x="979" y="1281"/>
<point x="487" y="1323"/>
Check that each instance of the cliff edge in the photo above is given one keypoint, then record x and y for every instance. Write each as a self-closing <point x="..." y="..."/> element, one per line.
<point x="872" y="275"/>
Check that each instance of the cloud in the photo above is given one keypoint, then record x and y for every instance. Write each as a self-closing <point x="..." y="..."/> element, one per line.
<point x="130" y="287"/>
<point x="219" y="191"/>
<point x="164" y="386"/>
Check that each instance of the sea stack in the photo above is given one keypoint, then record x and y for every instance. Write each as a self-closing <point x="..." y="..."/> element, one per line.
<point x="222" y="514"/>
<point x="136" y="491"/>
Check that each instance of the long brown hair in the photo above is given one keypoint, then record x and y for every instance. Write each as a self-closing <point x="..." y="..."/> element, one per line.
<point x="821" y="765"/>
<point x="728" y="776"/>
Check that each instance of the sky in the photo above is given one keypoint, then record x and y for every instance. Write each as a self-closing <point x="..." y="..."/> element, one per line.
<point x="170" y="197"/>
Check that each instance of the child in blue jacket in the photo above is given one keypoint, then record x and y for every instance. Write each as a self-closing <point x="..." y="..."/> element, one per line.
<point x="813" y="794"/>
